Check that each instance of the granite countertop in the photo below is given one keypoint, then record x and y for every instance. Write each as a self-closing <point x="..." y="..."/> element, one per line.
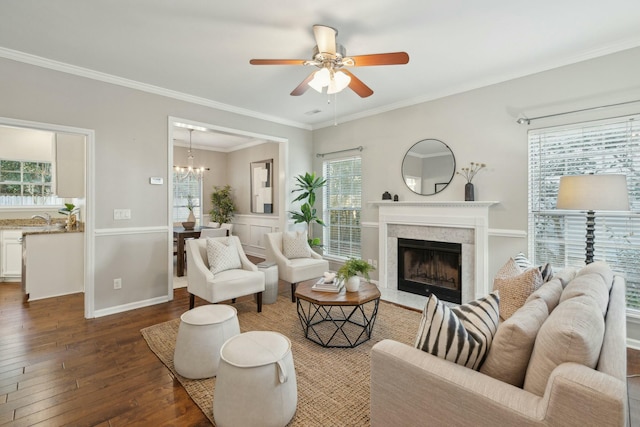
<point x="38" y="226"/>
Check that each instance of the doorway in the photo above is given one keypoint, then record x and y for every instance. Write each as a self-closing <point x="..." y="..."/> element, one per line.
<point x="215" y="148"/>
<point x="65" y="136"/>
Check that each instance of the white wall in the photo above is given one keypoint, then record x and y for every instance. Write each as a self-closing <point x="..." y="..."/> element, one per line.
<point x="480" y="126"/>
<point x="131" y="145"/>
<point x="26" y="144"/>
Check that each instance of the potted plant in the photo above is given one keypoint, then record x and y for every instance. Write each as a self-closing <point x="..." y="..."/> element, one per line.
<point x="308" y="184"/>
<point x="349" y="273"/>
<point x="71" y="211"/>
<point x="222" y="206"/>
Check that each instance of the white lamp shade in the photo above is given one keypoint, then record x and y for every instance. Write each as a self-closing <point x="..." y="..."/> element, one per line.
<point x="321" y="78"/>
<point x="339" y="82"/>
<point x="593" y="192"/>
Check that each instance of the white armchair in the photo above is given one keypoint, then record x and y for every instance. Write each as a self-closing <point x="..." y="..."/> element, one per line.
<point x="297" y="269"/>
<point x="225" y="285"/>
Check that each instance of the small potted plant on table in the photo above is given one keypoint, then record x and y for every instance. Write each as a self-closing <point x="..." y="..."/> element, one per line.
<point x="350" y="270"/>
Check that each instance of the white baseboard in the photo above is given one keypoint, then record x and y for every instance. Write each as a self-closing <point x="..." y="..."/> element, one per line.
<point x="633" y="343"/>
<point x="130" y="306"/>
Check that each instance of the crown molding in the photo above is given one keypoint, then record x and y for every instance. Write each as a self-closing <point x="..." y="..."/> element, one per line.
<point x="132" y="84"/>
<point x="484" y="82"/>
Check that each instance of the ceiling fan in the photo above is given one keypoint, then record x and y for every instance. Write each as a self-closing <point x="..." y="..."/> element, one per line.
<point x="331" y="58"/>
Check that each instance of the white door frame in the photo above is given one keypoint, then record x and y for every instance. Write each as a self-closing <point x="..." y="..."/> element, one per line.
<point x="89" y="176"/>
<point x="283" y="173"/>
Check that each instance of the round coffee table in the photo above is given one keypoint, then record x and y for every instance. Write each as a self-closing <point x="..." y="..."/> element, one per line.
<point x="342" y="319"/>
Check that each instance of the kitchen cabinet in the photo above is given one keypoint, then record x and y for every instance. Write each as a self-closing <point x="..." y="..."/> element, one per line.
<point x="70" y="154"/>
<point x="11" y="254"/>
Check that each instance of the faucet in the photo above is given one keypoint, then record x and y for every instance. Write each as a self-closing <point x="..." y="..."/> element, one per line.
<point x="44" y="216"/>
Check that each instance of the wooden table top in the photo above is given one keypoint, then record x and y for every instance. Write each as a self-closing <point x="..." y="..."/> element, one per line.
<point x="367" y="292"/>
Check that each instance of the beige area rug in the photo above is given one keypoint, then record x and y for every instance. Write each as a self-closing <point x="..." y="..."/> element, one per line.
<point x="333" y="383"/>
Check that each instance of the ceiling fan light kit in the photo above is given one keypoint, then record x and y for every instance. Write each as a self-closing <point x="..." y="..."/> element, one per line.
<point x="330" y="57"/>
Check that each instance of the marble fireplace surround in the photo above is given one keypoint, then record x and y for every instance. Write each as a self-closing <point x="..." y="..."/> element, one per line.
<point x="466" y="223"/>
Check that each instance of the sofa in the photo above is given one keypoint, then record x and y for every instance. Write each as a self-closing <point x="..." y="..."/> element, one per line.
<point x="412" y="387"/>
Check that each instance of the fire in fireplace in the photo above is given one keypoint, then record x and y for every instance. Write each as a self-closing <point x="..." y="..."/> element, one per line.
<point x="426" y="267"/>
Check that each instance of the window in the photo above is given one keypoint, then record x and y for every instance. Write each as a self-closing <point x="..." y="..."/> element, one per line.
<point x="187" y="189"/>
<point x="558" y="237"/>
<point x="341" y="207"/>
<point x="25" y="183"/>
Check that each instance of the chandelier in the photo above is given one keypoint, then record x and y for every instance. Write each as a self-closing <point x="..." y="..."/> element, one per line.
<point x="189" y="171"/>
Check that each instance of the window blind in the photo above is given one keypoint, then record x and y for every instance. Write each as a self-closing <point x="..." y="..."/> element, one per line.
<point x="609" y="146"/>
<point x="342" y="203"/>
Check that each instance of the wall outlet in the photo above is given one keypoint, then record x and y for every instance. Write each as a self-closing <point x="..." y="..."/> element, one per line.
<point x="117" y="283"/>
<point x="375" y="263"/>
<point x="369" y="261"/>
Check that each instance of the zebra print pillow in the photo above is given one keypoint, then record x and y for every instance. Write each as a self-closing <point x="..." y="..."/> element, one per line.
<point x="462" y="334"/>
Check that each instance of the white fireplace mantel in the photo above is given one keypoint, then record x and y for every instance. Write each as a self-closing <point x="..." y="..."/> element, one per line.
<point x="453" y="214"/>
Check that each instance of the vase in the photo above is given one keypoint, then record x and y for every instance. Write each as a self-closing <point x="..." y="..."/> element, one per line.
<point x="353" y="284"/>
<point x="469" y="191"/>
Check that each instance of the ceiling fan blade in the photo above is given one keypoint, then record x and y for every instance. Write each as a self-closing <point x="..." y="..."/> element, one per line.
<point x="394" y="58"/>
<point x="302" y="87"/>
<point x="357" y="85"/>
<point x="277" y="61"/>
<point x="325" y="38"/>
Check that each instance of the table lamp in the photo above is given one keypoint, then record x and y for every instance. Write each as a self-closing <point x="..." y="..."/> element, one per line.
<point x="593" y="193"/>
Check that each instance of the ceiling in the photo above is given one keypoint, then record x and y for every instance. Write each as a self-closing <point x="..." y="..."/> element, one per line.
<point x="201" y="49"/>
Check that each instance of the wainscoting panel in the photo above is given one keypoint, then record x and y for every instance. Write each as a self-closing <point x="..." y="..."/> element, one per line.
<point x="252" y="230"/>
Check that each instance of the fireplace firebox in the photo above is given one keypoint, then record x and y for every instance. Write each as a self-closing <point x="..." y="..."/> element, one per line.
<point x="426" y="267"/>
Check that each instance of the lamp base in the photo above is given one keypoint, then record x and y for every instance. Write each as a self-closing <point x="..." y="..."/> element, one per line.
<point x="590" y="237"/>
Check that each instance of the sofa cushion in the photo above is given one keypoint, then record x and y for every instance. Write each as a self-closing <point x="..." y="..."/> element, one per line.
<point x="462" y="334"/>
<point x="600" y="268"/>
<point x="590" y="285"/>
<point x="222" y="255"/>
<point x="549" y="292"/>
<point x="512" y="345"/>
<point x="295" y="245"/>
<point x="515" y="286"/>
<point x="573" y="332"/>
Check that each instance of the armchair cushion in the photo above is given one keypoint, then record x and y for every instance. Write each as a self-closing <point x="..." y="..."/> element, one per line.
<point x="461" y="335"/>
<point x="222" y="255"/>
<point x="295" y="245"/>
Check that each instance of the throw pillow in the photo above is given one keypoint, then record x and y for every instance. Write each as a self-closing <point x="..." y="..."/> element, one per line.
<point x="522" y="261"/>
<point x="573" y="332"/>
<point x="515" y="288"/>
<point x="295" y="245"/>
<point x="511" y="348"/>
<point x="222" y="254"/>
<point x="462" y="334"/>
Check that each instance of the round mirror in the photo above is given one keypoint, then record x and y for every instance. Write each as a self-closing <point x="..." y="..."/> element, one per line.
<point x="428" y="167"/>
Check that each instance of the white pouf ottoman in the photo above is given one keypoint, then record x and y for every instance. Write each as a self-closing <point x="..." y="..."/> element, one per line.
<point x="202" y="332"/>
<point x="256" y="382"/>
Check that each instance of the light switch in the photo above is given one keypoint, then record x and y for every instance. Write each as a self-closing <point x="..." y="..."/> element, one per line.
<point x="120" y="214"/>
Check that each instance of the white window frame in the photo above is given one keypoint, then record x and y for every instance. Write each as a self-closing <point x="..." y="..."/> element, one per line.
<point x="52" y="200"/>
<point x="350" y="248"/>
<point x="557" y="236"/>
<point x="179" y="202"/>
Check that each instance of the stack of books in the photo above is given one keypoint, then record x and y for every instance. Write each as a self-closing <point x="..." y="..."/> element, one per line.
<point x="334" y="286"/>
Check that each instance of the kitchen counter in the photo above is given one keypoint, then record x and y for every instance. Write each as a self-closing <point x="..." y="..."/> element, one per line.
<point x="38" y="226"/>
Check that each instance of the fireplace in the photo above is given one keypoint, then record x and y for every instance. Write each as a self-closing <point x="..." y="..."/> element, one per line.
<point x="426" y="267"/>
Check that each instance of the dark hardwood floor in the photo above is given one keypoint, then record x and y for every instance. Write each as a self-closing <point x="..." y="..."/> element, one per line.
<point x="57" y="368"/>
